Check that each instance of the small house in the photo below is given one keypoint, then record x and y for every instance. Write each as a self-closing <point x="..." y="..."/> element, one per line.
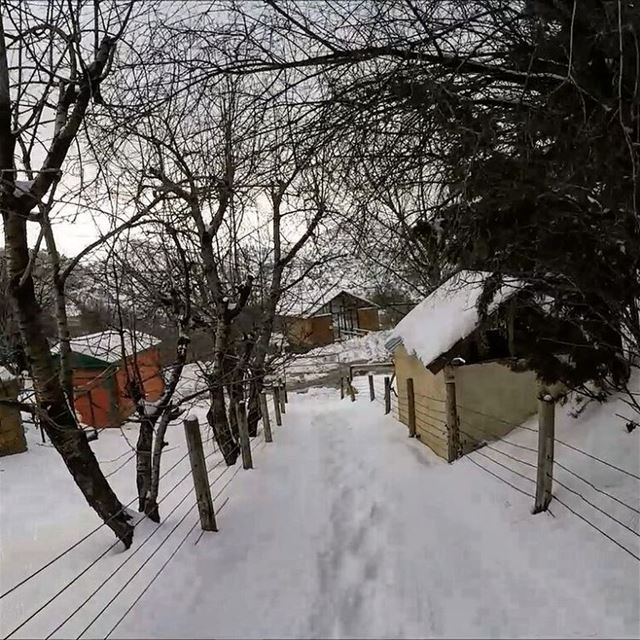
<point x="336" y="315"/>
<point x="12" y="438"/>
<point x="102" y="364"/>
<point x="463" y="370"/>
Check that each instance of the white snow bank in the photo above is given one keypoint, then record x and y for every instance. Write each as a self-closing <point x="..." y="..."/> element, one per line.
<point x="365" y="348"/>
<point x="42" y="513"/>
<point x="193" y="380"/>
<point x="319" y="362"/>
<point x="345" y="528"/>
<point x="445" y="316"/>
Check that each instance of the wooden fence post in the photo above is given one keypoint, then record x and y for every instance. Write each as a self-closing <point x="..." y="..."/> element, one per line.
<point x="266" y="422"/>
<point x="352" y="391"/>
<point x="546" y="437"/>
<point x="372" y="391"/>
<point x="199" y="473"/>
<point x="284" y="391"/>
<point x="276" y="405"/>
<point x="453" y="426"/>
<point x="411" y="403"/>
<point x="341" y="387"/>
<point x="243" y="430"/>
<point x="283" y="409"/>
<point x="387" y="395"/>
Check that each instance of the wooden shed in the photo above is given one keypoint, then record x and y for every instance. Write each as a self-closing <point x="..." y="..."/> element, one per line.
<point x="12" y="438"/>
<point x="461" y="369"/>
<point x="336" y="315"/>
<point x="102" y="364"/>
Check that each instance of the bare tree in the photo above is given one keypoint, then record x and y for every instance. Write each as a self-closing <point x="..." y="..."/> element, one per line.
<point x="52" y="65"/>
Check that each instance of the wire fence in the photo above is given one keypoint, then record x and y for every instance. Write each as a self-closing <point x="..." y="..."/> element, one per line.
<point x="256" y="444"/>
<point x="431" y="417"/>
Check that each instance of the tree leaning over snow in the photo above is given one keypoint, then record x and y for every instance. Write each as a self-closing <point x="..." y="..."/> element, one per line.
<point x="52" y="66"/>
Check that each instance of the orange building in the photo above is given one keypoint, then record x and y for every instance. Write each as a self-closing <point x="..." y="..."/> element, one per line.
<point x="102" y="365"/>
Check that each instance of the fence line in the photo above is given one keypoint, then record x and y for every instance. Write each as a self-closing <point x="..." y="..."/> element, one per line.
<point x="428" y="415"/>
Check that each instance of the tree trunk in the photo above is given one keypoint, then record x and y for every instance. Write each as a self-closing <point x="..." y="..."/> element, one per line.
<point x="217" y="419"/>
<point x="148" y="468"/>
<point x="62" y="323"/>
<point x="143" y="461"/>
<point x="151" y="501"/>
<point x="256" y="386"/>
<point x="217" y="414"/>
<point x="56" y="417"/>
<point x="233" y="399"/>
<point x="64" y="336"/>
<point x="259" y="356"/>
<point x="234" y="390"/>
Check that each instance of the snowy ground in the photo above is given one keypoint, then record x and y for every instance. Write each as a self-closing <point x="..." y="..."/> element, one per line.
<point x="347" y="528"/>
<point x="42" y="514"/>
<point x="323" y="363"/>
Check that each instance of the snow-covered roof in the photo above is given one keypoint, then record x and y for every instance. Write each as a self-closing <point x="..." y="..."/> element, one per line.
<point x="447" y="315"/>
<point x="107" y="345"/>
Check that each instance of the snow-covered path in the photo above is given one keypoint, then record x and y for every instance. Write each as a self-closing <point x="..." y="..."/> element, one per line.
<point x="346" y="528"/>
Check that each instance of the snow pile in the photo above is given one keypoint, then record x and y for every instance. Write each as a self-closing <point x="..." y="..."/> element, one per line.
<point x="398" y="544"/>
<point x="322" y="361"/>
<point x="369" y="348"/>
<point x="445" y="316"/>
<point x="192" y="380"/>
